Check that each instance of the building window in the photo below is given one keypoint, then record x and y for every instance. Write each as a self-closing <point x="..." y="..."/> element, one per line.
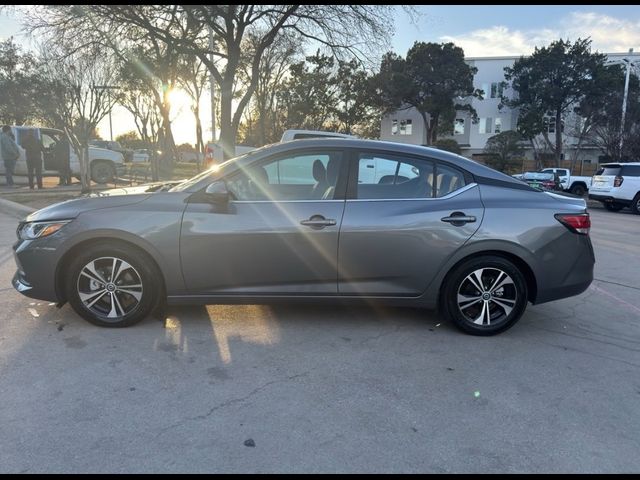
<point x="496" y="90"/>
<point x="485" y="89"/>
<point x="550" y="124"/>
<point x="498" y="125"/>
<point x="485" y="125"/>
<point x="406" y="127"/>
<point x="394" y="127"/>
<point x="458" y="126"/>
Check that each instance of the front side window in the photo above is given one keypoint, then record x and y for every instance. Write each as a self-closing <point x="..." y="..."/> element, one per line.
<point x="308" y="176"/>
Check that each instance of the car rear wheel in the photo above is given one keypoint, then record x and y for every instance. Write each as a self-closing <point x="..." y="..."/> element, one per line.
<point x="613" y="207"/>
<point x="635" y="204"/>
<point x="112" y="286"/>
<point x="102" y="171"/>
<point x="578" y="190"/>
<point x="485" y="295"/>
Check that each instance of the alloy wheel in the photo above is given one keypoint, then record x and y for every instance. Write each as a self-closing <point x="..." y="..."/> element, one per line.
<point x="110" y="288"/>
<point x="487" y="296"/>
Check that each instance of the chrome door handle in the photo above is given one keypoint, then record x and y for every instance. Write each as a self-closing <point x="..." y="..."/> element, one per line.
<point x="318" y="221"/>
<point x="458" y="219"/>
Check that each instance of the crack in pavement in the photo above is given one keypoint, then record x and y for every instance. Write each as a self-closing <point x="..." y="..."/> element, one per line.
<point x="616" y="283"/>
<point x="232" y="401"/>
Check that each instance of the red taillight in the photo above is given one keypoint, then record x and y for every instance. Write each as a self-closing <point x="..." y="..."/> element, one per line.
<point x="577" y="223"/>
<point x="618" y="181"/>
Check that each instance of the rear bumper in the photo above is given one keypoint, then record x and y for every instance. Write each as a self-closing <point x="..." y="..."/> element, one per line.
<point x="609" y="199"/>
<point x="579" y="266"/>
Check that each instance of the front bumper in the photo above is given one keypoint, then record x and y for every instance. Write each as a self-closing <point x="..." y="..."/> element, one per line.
<point x="36" y="273"/>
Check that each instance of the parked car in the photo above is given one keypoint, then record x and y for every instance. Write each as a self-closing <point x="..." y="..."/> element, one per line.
<point x="127" y="153"/>
<point x="265" y="227"/>
<point x="104" y="165"/>
<point x="578" y="185"/>
<point x="141" y="155"/>
<point x="617" y="185"/>
<point x="544" y="181"/>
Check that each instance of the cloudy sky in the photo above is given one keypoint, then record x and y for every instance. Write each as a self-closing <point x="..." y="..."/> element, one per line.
<point x="493" y="30"/>
<point x="515" y="30"/>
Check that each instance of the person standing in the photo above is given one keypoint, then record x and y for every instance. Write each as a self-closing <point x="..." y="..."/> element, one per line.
<point x="10" y="153"/>
<point x="63" y="159"/>
<point x="33" y="149"/>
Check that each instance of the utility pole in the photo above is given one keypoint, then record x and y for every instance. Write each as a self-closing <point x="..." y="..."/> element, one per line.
<point x="624" y="99"/>
<point x="212" y="81"/>
<point x="108" y="88"/>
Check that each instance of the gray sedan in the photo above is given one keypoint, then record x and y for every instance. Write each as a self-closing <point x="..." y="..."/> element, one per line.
<point x="315" y="220"/>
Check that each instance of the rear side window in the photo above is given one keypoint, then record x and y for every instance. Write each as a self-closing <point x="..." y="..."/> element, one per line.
<point x="631" y="171"/>
<point x="387" y="176"/>
<point x="448" y="180"/>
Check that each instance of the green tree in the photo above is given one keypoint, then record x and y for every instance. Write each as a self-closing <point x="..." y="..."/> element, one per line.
<point x="131" y="139"/>
<point x="552" y="82"/>
<point x="432" y="79"/>
<point x="20" y="85"/>
<point x="503" y="150"/>
<point x="448" y="144"/>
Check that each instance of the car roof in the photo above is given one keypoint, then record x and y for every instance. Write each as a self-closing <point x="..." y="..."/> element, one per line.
<point x="619" y="164"/>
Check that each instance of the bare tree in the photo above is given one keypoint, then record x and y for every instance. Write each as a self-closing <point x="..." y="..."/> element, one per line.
<point x="193" y="77"/>
<point x="357" y="29"/>
<point x="77" y="102"/>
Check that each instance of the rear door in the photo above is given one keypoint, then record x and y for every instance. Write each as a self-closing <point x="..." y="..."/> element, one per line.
<point x="397" y="232"/>
<point x="603" y="180"/>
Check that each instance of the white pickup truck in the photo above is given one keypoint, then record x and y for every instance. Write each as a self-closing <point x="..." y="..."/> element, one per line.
<point x="104" y="165"/>
<point x="578" y="185"/>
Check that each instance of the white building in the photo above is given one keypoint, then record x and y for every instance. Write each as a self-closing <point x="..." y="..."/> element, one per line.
<point x="407" y="126"/>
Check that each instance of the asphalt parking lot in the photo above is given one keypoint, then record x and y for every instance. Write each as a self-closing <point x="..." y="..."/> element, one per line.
<point x="261" y="389"/>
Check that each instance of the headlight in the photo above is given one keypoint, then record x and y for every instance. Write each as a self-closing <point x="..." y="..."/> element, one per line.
<point x="32" y="230"/>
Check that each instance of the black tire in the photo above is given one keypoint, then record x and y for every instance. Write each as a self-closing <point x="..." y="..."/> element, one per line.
<point x="102" y="171"/>
<point x="578" y="190"/>
<point x="635" y="204"/>
<point x="102" y="311"/>
<point x="499" y="317"/>
<point x="613" y="207"/>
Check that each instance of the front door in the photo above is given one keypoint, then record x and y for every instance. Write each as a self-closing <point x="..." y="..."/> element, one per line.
<point x="278" y="234"/>
<point x="403" y="223"/>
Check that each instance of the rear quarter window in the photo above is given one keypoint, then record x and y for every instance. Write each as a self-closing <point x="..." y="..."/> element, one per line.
<point x="631" y="171"/>
<point x="609" y="171"/>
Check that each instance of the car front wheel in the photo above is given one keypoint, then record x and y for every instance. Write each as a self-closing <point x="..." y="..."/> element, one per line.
<point x="111" y="286"/>
<point x="485" y="295"/>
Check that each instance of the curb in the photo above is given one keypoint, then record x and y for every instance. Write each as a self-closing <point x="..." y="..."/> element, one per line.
<point x="15" y="209"/>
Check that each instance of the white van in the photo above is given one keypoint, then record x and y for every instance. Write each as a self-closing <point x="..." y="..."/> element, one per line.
<point x="104" y="165"/>
<point x="213" y="153"/>
<point x="300" y="134"/>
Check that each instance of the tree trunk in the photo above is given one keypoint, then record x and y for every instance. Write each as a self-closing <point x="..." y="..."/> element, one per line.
<point x="199" y="140"/>
<point x="558" y="149"/>
<point x="227" y="132"/>
<point x="426" y="127"/>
